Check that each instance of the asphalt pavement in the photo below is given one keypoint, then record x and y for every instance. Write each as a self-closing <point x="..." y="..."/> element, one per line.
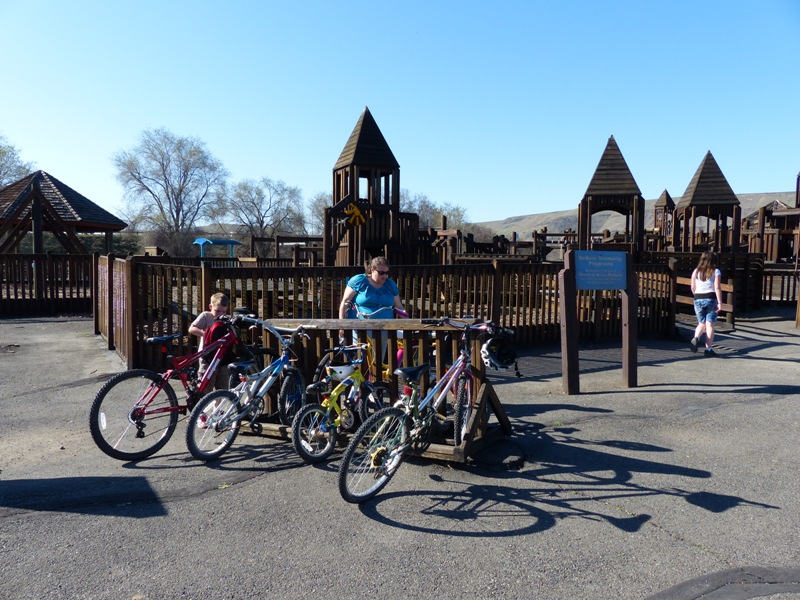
<point x="684" y="487"/>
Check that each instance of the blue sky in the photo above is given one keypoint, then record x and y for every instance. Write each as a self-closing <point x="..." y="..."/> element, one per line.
<point x="502" y="107"/>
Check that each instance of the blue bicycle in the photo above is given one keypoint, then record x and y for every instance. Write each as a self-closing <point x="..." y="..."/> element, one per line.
<point x="216" y="419"/>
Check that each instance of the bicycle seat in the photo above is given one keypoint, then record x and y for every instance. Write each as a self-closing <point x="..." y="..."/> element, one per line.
<point x="263" y="351"/>
<point x="412" y="373"/>
<point x="316" y="388"/>
<point x="242" y="365"/>
<point x="163" y="339"/>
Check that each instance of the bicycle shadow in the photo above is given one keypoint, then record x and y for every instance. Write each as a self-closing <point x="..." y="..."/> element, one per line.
<point x="251" y="455"/>
<point x="571" y="478"/>
<point x="81" y="495"/>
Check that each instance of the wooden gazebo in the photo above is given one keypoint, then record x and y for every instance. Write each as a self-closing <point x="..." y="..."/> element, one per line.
<point x="39" y="202"/>
<point x="365" y="219"/>
<point x="708" y="195"/>
<point x="663" y="214"/>
<point x="612" y="188"/>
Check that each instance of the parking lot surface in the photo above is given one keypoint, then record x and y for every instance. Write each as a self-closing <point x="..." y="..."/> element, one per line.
<point x="684" y="487"/>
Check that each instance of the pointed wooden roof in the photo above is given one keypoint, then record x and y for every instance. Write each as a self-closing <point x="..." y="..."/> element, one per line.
<point x="665" y="201"/>
<point x="612" y="176"/>
<point x="367" y="146"/>
<point x="708" y="187"/>
<point x="71" y="208"/>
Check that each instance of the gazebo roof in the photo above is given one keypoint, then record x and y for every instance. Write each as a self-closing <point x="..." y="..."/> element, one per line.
<point x="708" y="188"/>
<point x="367" y="146"/>
<point x="665" y="201"/>
<point x="612" y="176"/>
<point x="74" y="209"/>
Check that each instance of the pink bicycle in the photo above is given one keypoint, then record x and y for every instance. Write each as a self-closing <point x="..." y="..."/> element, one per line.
<point x="135" y="413"/>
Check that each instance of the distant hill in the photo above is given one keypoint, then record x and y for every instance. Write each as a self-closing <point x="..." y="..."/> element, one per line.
<point x="557" y="222"/>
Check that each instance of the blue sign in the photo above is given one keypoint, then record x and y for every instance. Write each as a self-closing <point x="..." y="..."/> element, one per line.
<point x="601" y="270"/>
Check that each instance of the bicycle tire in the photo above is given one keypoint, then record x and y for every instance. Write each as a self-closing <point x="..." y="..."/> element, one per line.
<point x="292" y="397"/>
<point x="314" y="433"/>
<point x="462" y="411"/>
<point x="118" y="429"/>
<point x="373" y="455"/>
<point x="320" y="372"/>
<point x="205" y="439"/>
<point x="374" y="397"/>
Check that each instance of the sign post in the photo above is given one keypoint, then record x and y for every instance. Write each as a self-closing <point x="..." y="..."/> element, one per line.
<point x="597" y="270"/>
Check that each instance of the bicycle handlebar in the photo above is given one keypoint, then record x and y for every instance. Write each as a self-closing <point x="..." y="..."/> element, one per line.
<point x="364" y="314"/>
<point x="486" y="326"/>
<point x="279" y="332"/>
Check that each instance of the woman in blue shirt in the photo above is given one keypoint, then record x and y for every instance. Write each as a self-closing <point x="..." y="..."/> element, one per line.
<point x="371" y="291"/>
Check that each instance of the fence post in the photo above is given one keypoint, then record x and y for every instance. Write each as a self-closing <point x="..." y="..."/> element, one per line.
<point x="128" y="341"/>
<point x="673" y="293"/>
<point x="110" y="301"/>
<point x="95" y="288"/>
<point x="496" y="310"/>
<point x="205" y="284"/>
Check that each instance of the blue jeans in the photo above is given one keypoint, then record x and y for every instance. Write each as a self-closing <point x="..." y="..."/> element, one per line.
<point x="706" y="310"/>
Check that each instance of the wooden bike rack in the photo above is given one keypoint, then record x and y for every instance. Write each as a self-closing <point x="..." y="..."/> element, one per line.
<point x="480" y="432"/>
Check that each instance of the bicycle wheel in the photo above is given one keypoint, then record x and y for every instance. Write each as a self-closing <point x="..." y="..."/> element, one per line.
<point x="320" y="371"/>
<point x="462" y="411"/>
<point x="130" y="417"/>
<point x="373" y="455"/>
<point x="374" y="396"/>
<point x="210" y="430"/>
<point x="314" y="433"/>
<point x="292" y="396"/>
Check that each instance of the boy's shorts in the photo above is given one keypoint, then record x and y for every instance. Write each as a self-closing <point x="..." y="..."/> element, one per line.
<point x="706" y="310"/>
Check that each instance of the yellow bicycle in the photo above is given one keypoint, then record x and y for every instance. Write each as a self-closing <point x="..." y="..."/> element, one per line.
<point x="351" y="401"/>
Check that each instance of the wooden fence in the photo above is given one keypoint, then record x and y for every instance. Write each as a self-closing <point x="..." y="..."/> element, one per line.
<point x="138" y="298"/>
<point x="45" y="284"/>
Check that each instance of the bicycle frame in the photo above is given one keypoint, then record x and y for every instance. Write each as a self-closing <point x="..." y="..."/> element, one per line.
<point x="436" y="396"/>
<point x="181" y="367"/>
<point x="353" y="382"/>
<point x="255" y="387"/>
<point x="443" y="386"/>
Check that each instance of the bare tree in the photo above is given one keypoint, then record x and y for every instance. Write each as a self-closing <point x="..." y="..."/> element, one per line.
<point x="12" y="167"/>
<point x="265" y="207"/>
<point x="430" y="213"/>
<point x="316" y="212"/>
<point x="172" y="180"/>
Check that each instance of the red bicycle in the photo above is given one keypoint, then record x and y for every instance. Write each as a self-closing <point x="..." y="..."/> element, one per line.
<point x="135" y="413"/>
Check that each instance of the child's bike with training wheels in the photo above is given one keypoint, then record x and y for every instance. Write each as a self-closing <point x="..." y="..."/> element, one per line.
<point x="135" y="413"/>
<point x="352" y="400"/>
<point x="215" y="421"/>
<point x="383" y="441"/>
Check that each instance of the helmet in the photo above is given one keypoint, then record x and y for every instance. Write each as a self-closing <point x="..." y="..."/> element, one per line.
<point x="340" y="372"/>
<point x="498" y="354"/>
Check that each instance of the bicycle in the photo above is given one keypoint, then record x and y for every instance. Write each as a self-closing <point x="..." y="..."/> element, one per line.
<point x="354" y="398"/>
<point x="134" y="414"/>
<point x="382" y="442"/>
<point x="215" y="421"/>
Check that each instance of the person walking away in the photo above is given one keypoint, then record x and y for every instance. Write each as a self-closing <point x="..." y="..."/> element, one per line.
<point x="217" y="307"/>
<point x="707" y="291"/>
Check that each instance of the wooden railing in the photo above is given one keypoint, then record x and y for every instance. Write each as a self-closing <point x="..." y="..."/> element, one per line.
<point x="45" y="284"/>
<point x="137" y="299"/>
<point x="779" y="284"/>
